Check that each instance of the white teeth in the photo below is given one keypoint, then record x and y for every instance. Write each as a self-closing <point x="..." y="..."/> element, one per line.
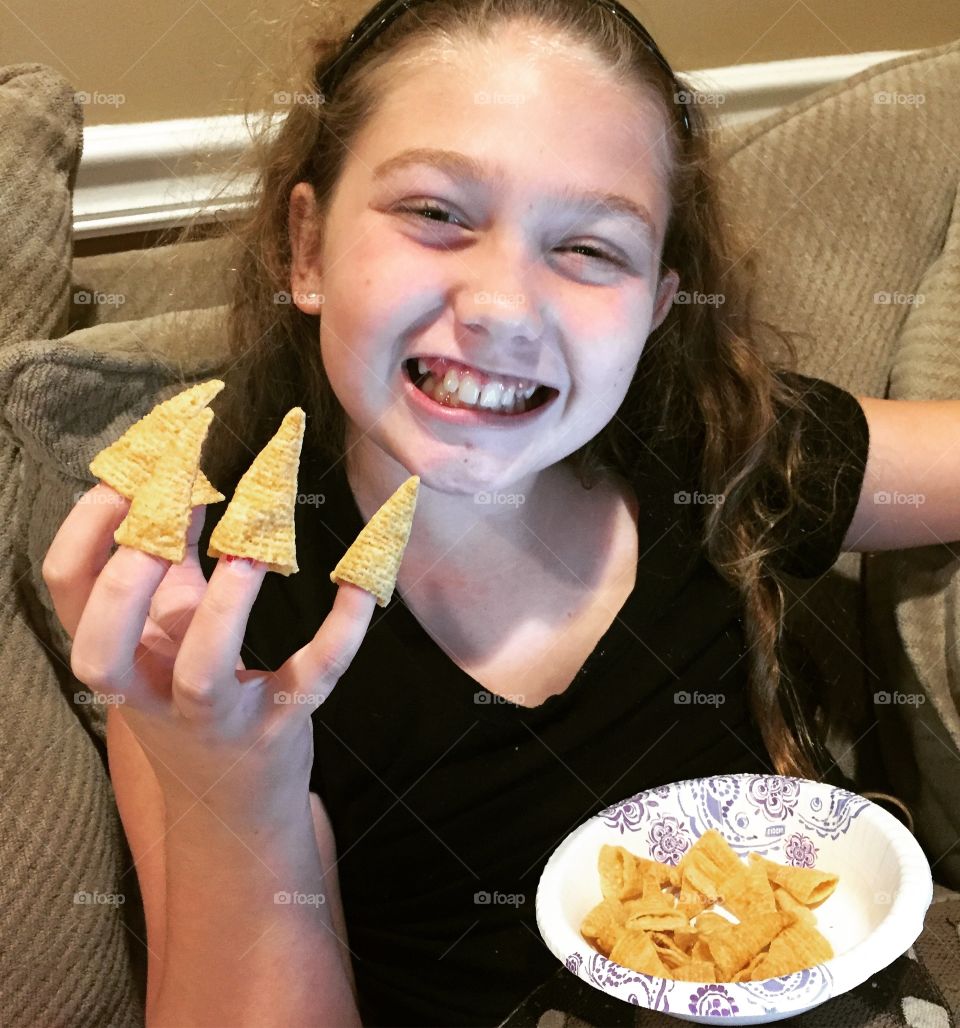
<point x="452" y="380"/>
<point x="469" y="391"/>
<point x="458" y="387"/>
<point x="464" y="397"/>
<point x="490" y="395"/>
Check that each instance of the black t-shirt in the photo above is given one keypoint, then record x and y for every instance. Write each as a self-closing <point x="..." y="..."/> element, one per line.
<point x="446" y="800"/>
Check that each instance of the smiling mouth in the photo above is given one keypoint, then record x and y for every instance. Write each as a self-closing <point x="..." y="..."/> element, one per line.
<point x="491" y="399"/>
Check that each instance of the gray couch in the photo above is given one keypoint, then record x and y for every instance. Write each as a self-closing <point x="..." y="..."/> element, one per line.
<point x="836" y="196"/>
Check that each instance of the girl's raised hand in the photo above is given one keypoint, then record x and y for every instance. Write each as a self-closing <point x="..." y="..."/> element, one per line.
<point x="164" y="644"/>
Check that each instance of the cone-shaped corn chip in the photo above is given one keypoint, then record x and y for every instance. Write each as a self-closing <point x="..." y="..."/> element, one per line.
<point x="710" y="921"/>
<point x="603" y="925"/>
<point x="636" y="950"/>
<point x="805" y="884"/>
<point x="797" y="947"/>
<point x="658" y="921"/>
<point x="621" y="873"/>
<point x="734" y="947"/>
<point x="695" y="971"/>
<point x="159" y="514"/>
<point x="128" y="462"/>
<point x="747" y="892"/>
<point x="373" y="560"/>
<point x="259" y="520"/>
<point x="669" y="952"/>
<point x="717" y="849"/>
<point x="785" y="901"/>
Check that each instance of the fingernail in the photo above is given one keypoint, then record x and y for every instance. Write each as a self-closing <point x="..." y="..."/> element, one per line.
<point x="247" y="561"/>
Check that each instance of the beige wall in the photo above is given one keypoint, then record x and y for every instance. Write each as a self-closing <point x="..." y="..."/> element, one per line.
<point x="184" y="58"/>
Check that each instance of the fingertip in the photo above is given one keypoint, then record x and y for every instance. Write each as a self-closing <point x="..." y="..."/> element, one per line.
<point x="149" y="565"/>
<point x="242" y="564"/>
<point x="356" y="595"/>
<point x="114" y="492"/>
<point x="103" y="494"/>
<point x="198" y="517"/>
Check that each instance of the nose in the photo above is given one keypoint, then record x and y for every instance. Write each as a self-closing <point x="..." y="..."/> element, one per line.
<point x="495" y="296"/>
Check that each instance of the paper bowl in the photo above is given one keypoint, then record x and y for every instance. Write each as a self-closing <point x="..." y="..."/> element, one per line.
<point x="873" y="916"/>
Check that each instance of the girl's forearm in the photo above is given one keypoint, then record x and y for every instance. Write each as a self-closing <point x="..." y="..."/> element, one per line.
<point x="249" y="939"/>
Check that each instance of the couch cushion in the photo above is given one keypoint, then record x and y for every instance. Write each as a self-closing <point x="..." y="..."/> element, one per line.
<point x="136" y="284"/>
<point x="72" y="914"/>
<point x="63" y="401"/>
<point x="41" y="136"/>
<point x="914" y="595"/>
<point x="843" y="202"/>
<point x="838" y="198"/>
<point x="72" y="935"/>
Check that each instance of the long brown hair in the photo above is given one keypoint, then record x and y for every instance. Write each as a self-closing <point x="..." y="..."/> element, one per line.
<point x="708" y="375"/>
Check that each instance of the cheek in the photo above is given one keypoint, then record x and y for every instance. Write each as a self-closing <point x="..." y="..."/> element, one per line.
<point x="345" y="348"/>
<point x="372" y="274"/>
<point x="608" y="330"/>
<point x="351" y="365"/>
<point x="369" y="302"/>
<point x="606" y="378"/>
<point x="352" y="319"/>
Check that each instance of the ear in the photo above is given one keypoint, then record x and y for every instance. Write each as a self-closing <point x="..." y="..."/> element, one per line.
<point x="666" y="291"/>
<point x="306" y="273"/>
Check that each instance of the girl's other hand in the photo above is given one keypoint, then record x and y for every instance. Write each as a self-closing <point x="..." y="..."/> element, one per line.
<point x="164" y="644"/>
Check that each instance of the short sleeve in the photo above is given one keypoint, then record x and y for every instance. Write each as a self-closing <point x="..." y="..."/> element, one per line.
<point x="834" y="443"/>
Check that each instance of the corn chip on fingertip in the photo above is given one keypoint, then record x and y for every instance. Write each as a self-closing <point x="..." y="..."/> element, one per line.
<point x="259" y="521"/>
<point x="127" y="462"/>
<point x="372" y="561"/>
<point x="160" y="512"/>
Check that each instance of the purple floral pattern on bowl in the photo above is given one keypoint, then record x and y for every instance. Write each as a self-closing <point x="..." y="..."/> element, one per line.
<point x="842" y="808"/>
<point x="705" y="1002"/>
<point x="800" y="851"/>
<point x="753" y="812"/>
<point x="809" y="986"/>
<point x="775" y="797"/>
<point x="628" y="815"/>
<point x="645" y="990"/>
<point x="668" y="840"/>
<point x="713" y="1000"/>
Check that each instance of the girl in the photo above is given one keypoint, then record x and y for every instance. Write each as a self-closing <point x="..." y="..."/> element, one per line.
<point x="483" y="212"/>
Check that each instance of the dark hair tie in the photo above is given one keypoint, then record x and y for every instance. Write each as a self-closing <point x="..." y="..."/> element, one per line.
<point x="387" y="11"/>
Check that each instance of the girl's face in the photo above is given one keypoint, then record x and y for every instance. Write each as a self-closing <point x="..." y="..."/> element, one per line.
<point x="459" y="229"/>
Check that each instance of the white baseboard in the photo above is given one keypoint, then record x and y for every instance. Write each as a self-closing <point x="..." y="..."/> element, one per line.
<point x="142" y="176"/>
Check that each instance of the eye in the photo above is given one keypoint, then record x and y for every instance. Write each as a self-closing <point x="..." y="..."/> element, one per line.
<point x="599" y="254"/>
<point x="432" y="211"/>
<point x="425" y="208"/>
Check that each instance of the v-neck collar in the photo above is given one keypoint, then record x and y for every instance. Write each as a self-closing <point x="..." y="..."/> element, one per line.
<point x="656" y="559"/>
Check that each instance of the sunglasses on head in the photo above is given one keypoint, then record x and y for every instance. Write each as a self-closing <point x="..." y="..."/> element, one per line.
<point x="387" y="11"/>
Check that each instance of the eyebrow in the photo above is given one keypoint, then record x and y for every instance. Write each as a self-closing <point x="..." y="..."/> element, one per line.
<point x="459" y="165"/>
